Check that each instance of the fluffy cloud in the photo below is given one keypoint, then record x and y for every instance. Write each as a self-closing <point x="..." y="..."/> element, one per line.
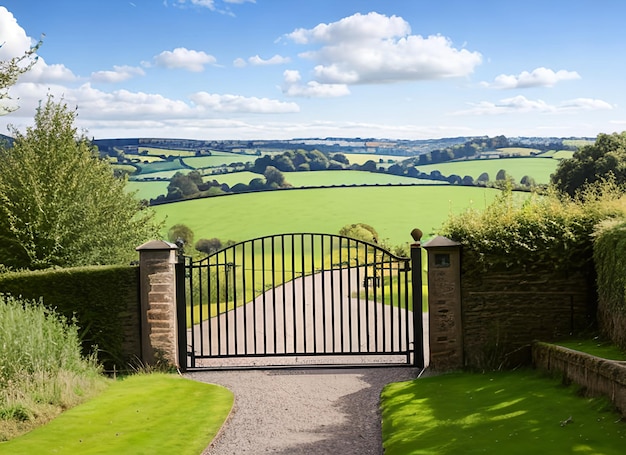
<point x="521" y="104"/>
<point x="374" y="48"/>
<point x="539" y="77"/>
<point x="13" y="39"/>
<point x="312" y="89"/>
<point x="242" y="104"/>
<point x="184" y="58"/>
<point x="119" y="74"/>
<point x="258" y="61"/>
<point x="14" y="43"/>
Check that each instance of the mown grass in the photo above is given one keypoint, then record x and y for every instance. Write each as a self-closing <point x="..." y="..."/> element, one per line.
<point x="142" y="414"/>
<point x="518" y="412"/>
<point x="393" y="211"/>
<point x="42" y="371"/>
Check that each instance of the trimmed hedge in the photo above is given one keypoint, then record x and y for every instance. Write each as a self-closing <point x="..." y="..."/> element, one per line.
<point x="610" y="259"/>
<point x="103" y="301"/>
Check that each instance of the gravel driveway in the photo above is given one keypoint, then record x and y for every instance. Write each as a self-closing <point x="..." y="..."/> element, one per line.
<point x="310" y="411"/>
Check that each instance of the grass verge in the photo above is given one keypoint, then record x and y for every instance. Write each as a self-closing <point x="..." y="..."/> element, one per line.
<point x="517" y="412"/>
<point x="597" y="347"/>
<point x="141" y="414"/>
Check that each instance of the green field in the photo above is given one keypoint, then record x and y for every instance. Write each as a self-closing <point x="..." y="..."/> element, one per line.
<point x="166" y="152"/>
<point x="147" y="190"/>
<point x="361" y="158"/>
<point x="328" y="178"/>
<point x="217" y="159"/>
<point x="392" y="210"/>
<point x="537" y="168"/>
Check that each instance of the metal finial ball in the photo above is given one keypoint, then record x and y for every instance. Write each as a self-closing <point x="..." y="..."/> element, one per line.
<point x="416" y="234"/>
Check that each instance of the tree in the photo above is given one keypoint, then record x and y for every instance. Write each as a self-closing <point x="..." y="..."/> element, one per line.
<point x="593" y="163"/>
<point x="10" y="70"/>
<point x="181" y="232"/>
<point x="182" y="185"/>
<point x="208" y="246"/>
<point x="60" y="205"/>
<point x="275" y="178"/>
<point x="360" y="231"/>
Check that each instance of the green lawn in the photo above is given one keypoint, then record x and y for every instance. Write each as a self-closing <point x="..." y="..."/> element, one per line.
<point x="392" y="211"/>
<point x="142" y="414"/>
<point x="511" y="413"/>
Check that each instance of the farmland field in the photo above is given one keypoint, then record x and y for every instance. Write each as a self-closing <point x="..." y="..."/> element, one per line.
<point x="537" y="168"/>
<point x="327" y="178"/>
<point x="393" y="210"/>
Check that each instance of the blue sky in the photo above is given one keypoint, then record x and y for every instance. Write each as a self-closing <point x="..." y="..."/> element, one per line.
<point x="281" y="69"/>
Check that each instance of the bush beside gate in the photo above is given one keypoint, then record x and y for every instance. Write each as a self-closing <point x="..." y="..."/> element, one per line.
<point x="103" y="301"/>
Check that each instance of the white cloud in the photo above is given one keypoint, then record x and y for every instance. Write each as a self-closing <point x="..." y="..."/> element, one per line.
<point x="312" y="89"/>
<point x="41" y="72"/>
<point x="119" y="74"/>
<point x="241" y="104"/>
<point x="258" y="61"/>
<point x="13" y="39"/>
<point x="585" y="104"/>
<point x="14" y="43"/>
<point x="374" y="48"/>
<point x="275" y="60"/>
<point x="520" y="104"/>
<point x="539" y="77"/>
<point x="184" y="58"/>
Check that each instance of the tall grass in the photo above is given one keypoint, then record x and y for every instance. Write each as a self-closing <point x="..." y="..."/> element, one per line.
<point x="42" y="371"/>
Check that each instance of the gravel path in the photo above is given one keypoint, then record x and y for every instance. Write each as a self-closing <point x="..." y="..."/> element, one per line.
<point x="311" y="411"/>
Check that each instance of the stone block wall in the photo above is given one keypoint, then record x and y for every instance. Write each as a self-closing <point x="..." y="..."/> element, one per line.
<point x="503" y="312"/>
<point x="599" y="377"/>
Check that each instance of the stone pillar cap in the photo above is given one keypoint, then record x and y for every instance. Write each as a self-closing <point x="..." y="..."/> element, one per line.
<point x="157" y="245"/>
<point x="441" y="241"/>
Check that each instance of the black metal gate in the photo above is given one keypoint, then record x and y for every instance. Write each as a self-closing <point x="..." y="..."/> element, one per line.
<point x="300" y="300"/>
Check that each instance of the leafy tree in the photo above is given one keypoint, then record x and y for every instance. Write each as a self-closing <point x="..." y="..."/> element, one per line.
<point x="60" y="205"/>
<point x="501" y="175"/>
<point x="360" y="231"/>
<point x="10" y="70"/>
<point x="369" y="166"/>
<point x="283" y="162"/>
<point x="209" y="246"/>
<point x="592" y="163"/>
<point x="273" y="177"/>
<point x="182" y="184"/>
<point x="483" y="178"/>
<point x="468" y="180"/>
<point x="180" y="232"/>
<point x="528" y="181"/>
<point x="340" y="158"/>
<point x="256" y="184"/>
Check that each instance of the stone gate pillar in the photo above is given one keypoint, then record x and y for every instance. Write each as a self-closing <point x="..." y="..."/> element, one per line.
<point x="157" y="283"/>
<point x="444" y="304"/>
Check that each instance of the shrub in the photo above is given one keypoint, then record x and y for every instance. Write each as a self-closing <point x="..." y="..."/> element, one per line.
<point x="521" y="230"/>
<point x="42" y="370"/>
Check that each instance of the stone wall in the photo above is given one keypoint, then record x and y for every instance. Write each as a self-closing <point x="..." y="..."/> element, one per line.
<point x="598" y="376"/>
<point x="503" y="312"/>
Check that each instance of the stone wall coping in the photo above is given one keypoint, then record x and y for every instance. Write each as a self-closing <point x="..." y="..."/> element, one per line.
<point x="441" y="242"/>
<point x="157" y="245"/>
<point x="598" y="375"/>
